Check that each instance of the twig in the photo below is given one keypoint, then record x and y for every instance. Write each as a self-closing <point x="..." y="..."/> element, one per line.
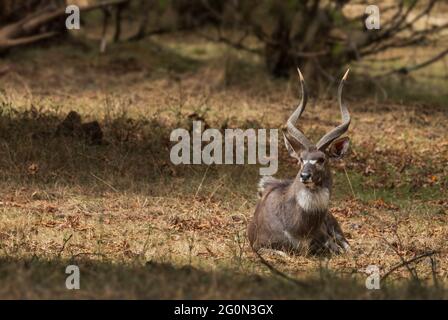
<point x="434" y="271"/>
<point x="220" y="184"/>
<point x="64" y="244"/>
<point x="105" y="182"/>
<point x="202" y="181"/>
<point x="350" y="183"/>
<point x="281" y="274"/>
<point x="403" y="260"/>
<point x="145" y="245"/>
<point x="406" y="263"/>
<point x="20" y="32"/>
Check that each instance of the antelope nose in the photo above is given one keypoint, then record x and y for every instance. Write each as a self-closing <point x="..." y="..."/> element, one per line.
<point x="304" y="176"/>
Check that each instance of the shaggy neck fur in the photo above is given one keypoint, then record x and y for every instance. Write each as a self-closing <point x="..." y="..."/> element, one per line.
<point x="313" y="200"/>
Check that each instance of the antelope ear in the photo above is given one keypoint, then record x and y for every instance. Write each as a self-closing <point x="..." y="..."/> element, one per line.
<point x="292" y="147"/>
<point x="339" y="148"/>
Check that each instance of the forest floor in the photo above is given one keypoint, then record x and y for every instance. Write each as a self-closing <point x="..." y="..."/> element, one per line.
<point x="140" y="227"/>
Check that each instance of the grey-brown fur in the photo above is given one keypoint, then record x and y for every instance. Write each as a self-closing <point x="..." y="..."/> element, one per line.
<point x="292" y="215"/>
<point x="278" y="214"/>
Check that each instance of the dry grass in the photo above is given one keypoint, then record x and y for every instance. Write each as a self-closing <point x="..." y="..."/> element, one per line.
<point x="135" y="222"/>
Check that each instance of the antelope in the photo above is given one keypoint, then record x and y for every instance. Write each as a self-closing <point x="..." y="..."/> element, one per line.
<point x="292" y="215"/>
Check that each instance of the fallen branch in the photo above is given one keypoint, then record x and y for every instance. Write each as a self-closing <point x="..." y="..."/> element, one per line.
<point x="279" y="273"/>
<point x="26" y="40"/>
<point x="21" y="32"/>
<point x="403" y="260"/>
<point x="406" y="263"/>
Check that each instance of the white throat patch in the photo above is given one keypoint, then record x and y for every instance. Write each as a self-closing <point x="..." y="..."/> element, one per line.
<point x="313" y="200"/>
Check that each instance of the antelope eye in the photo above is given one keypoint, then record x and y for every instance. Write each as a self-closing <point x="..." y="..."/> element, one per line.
<point x="320" y="160"/>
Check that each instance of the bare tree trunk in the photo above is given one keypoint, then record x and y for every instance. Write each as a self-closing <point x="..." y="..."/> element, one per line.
<point x="145" y="6"/>
<point x="118" y="11"/>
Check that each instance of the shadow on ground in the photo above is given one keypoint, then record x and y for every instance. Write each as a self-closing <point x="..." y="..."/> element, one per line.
<point x="133" y="156"/>
<point x="39" y="279"/>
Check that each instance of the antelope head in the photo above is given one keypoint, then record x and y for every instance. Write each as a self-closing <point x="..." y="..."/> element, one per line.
<point x="314" y="158"/>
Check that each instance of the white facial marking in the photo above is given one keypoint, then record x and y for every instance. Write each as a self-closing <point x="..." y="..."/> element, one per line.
<point x="310" y="161"/>
<point x="310" y="200"/>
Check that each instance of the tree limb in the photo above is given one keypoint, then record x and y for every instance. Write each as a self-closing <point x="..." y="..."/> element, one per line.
<point x="406" y="70"/>
<point x="26" y="40"/>
<point x="19" y="33"/>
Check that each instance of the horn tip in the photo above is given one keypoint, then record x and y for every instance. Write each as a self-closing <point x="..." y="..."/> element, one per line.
<point x="300" y="74"/>
<point x="345" y="75"/>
